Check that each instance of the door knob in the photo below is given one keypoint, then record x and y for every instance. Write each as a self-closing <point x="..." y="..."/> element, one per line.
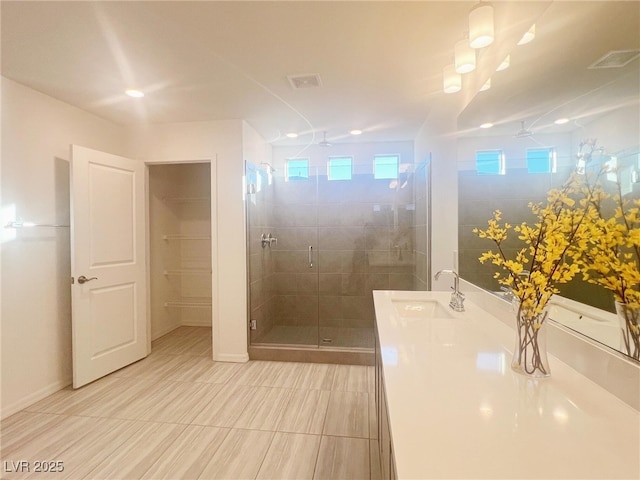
<point x="82" y="279"/>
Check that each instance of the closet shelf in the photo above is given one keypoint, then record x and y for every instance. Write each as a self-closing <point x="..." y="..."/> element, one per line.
<point x="191" y="271"/>
<point x="180" y="236"/>
<point x="185" y="199"/>
<point x="188" y="304"/>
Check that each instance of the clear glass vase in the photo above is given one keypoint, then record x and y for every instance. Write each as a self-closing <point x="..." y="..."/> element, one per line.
<point x="629" y="317"/>
<point x="530" y="351"/>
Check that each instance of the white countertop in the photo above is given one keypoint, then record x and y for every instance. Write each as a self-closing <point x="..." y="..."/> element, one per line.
<point x="457" y="410"/>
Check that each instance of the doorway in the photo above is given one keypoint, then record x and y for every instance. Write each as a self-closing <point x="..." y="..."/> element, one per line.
<point x="180" y="260"/>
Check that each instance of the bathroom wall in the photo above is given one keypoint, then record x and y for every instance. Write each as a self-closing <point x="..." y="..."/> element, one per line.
<point x="36" y="291"/>
<point x="225" y="142"/>
<point x="36" y="134"/>
<point x="617" y="130"/>
<point x="437" y="140"/>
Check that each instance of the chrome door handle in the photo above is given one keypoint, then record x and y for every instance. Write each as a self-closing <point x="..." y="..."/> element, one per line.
<point x="82" y="279"/>
<point x="310" y="256"/>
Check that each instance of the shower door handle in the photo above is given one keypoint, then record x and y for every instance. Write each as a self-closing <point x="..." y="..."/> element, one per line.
<point x="310" y="256"/>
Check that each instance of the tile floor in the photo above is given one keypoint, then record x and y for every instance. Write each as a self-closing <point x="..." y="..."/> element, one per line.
<point x="178" y="414"/>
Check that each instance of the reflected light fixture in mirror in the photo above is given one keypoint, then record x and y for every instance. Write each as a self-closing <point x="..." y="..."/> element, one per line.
<point x="452" y="81"/>
<point x="486" y="86"/>
<point x="528" y="36"/>
<point x="134" y="93"/>
<point x="481" y="26"/>
<point x="465" y="56"/>
<point x="505" y="64"/>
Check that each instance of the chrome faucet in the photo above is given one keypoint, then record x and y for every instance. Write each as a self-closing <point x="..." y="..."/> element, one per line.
<point x="457" y="297"/>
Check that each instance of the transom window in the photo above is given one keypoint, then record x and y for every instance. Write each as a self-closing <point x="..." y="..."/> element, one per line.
<point x="339" y="168"/>
<point x="490" y="162"/>
<point x="298" y="169"/>
<point x="541" y="160"/>
<point x="385" y="166"/>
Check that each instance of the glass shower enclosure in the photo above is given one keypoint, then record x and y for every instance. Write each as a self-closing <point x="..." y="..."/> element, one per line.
<point x="318" y="247"/>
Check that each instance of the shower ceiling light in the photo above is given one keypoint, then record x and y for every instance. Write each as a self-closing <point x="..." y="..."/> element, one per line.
<point x="356" y="131"/>
<point x="292" y="135"/>
<point x="528" y="36"/>
<point x="486" y="125"/>
<point x="561" y="121"/>
<point x="465" y="57"/>
<point x="481" y="26"/>
<point x="452" y="81"/>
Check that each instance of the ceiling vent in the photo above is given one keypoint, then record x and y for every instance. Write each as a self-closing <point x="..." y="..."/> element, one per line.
<point x="615" y="59"/>
<point x="309" y="80"/>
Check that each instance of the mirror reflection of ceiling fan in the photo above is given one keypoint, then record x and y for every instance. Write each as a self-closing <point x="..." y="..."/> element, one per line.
<point x="524" y="132"/>
<point x="324" y="142"/>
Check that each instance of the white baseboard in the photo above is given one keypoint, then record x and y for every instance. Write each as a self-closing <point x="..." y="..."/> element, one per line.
<point x="15" y="407"/>
<point x="163" y="332"/>
<point x="232" y="357"/>
<point x="196" y="324"/>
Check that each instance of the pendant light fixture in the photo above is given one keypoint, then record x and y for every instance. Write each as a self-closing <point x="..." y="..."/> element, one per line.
<point x="481" y="25"/>
<point x="452" y="80"/>
<point x="465" y="56"/>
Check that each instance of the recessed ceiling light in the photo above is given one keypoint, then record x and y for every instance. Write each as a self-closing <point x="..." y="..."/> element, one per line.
<point x="561" y="121"/>
<point x="134" y="93"/>
<point x="355" y="131"/>
<point x="486" y="125"/>
<point x="528" y="36"/>
<point x="486" y="86"/>
<point x="292" y="135"/>
<point x="505" y="64"/>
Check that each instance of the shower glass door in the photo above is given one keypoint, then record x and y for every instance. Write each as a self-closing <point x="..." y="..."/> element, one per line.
<point x="282" y="214"/>
<point x="319" y="245"/>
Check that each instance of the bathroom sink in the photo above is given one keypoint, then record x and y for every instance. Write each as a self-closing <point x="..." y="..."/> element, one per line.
<point x="420" y="309"/>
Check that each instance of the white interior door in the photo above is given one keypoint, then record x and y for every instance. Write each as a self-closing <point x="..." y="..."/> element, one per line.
<point x="107" y="263"/>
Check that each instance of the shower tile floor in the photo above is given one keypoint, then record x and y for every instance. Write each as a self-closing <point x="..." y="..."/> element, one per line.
<point x="342" y="337"/>
<point x="178" y="414"/>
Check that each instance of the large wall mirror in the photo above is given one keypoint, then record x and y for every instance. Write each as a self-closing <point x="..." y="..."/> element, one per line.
<point x="582" y="70"/>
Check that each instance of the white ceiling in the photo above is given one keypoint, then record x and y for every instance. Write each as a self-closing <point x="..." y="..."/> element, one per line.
<point x="380" y="62"/>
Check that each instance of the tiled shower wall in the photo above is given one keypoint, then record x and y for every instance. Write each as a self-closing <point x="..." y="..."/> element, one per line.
<point x="363" y="236"/>
<point x="421" y="186"/>
<point x="260" y="259"/>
